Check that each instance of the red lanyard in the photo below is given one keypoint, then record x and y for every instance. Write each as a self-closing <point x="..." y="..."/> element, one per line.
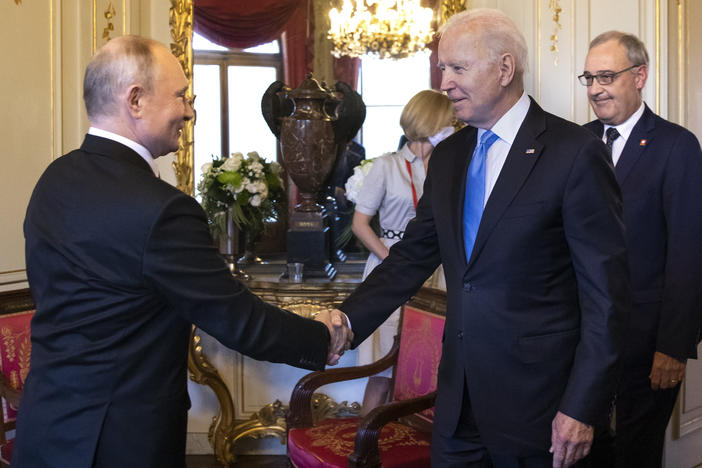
<point x="414" y="192"/>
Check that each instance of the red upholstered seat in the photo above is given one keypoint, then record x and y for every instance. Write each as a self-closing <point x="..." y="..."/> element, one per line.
<point x="378" y="439"/>
<point x="6" y="451"/>
<point x="329" y="443"/>
<point x="16" y="312"/>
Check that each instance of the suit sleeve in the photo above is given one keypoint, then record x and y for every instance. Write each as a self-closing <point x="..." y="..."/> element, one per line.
<point x="592" y="219"/>
<point x="681" y="314"/>
<point x="410" y="262"/>
<point x="182" y="265"/>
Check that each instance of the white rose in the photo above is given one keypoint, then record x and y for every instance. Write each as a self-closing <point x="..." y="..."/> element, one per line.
<point x="252" y="187"/>
<point x="257" y="167"/>
<point x="206" y="167"/>
<point x="231" y="164"/>
<point x="253" y="156"/>
<point x="255" y="200"/>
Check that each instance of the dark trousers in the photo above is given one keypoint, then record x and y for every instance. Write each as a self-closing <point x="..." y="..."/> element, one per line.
<point x="642" y="416"/>
<point x="464" y="449"/>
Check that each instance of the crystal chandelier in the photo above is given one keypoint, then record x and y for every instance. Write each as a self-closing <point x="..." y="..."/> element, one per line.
<point x="386" y="28"/>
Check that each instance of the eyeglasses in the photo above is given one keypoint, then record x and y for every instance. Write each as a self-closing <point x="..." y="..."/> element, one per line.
<point x="603" y="78"/>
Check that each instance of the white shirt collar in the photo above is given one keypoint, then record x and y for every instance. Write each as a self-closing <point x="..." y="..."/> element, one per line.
<point x="407" y="153"/>
<point x="626" y="127"/>
<point x="139" y="149"/>
<point x="507" y="127"/>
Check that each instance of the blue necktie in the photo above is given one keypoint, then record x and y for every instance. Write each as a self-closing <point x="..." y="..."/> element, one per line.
<point x="475" y="191"/>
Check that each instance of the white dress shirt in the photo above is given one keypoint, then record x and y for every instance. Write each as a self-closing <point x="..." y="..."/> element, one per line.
<point x="506" y="129"/>
<point x="140" y="150"/>
<point x="624" y="130"/>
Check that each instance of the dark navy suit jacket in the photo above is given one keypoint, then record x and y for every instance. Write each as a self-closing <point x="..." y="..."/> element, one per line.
<point x="660" y="175"/>
<point x="534" y="319"/>
<point x="120" y="264"/>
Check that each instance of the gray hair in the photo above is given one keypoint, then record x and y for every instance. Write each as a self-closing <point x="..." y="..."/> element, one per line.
<point x="123" y="61"/>
<point x="498" y="32"/>
<point x="635" y="48"/>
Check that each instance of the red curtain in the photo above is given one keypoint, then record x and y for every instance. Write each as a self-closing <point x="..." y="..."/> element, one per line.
<point x="346" y="70"/>
<point x="242" y="23"/>
<point x="297" y="47"/>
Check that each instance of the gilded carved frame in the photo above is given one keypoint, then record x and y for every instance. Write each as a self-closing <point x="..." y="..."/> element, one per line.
<point x="181" y="24"/>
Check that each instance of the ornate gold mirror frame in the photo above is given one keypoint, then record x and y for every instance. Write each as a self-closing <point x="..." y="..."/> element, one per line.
<point x="181" y="23"/>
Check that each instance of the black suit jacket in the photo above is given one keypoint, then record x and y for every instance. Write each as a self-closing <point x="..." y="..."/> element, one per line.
<point x="534" y="318"/>
<point x="660" y="175"/>
<point x="120" y="264"/>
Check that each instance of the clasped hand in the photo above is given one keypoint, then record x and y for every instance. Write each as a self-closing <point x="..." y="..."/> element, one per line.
<point x="341" y="334"/>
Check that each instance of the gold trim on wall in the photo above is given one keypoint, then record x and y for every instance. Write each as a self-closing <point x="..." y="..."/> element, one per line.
<point x="682" y="104"/>
<point x="109" y="13"/>
<point x="658" y="56"/>
<point x="181" y="23"/>
<point x="555" y="7"/>
<point x="538" y="50"/>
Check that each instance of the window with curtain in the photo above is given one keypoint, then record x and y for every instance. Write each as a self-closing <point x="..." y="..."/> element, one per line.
<point x="229" y="84"/>
<point x="386" y="86"/>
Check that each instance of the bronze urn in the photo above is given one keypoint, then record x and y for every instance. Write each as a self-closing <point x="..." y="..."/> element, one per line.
<point x="311" y="122"/>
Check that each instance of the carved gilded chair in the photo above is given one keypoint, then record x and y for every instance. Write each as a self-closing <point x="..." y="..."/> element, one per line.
<point x="397" y="434"/>
<point x="16" y="311"/>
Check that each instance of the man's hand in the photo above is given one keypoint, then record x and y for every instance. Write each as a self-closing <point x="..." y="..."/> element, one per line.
<point x="341" y="335"/>
<point x="666" y="372"/>
<point x="570" y="440"/>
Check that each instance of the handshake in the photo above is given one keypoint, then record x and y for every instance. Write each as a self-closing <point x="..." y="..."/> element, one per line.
<point x="341" y="335"/>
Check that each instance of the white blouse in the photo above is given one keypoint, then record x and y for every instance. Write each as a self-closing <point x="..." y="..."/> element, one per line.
<point x="387" y="190"/>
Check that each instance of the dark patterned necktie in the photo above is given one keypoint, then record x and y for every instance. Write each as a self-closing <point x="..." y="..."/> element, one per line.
<point x="612" y="134"/>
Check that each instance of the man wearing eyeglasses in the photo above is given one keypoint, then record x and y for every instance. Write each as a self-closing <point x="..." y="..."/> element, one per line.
<point x="658" y="165"/>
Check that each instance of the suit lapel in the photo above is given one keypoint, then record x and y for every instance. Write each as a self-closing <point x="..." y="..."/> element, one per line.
<point x="522" y="156"/>
<point x="462" y="155"/>
<point x="641" y="136"/>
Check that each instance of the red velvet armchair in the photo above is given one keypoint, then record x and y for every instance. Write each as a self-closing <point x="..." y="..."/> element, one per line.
<point x="397" y="434"/>
<point x="16" y="311"/>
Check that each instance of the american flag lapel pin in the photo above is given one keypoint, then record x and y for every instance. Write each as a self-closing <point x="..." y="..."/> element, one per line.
<point x="530" y="151"/>
<point x="642" y="142"/>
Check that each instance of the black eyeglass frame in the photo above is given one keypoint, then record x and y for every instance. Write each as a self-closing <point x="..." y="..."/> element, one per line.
<point x="587" y="79"/>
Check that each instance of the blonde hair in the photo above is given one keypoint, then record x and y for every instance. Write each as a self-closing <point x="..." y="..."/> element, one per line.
<point x="425" y="114"/>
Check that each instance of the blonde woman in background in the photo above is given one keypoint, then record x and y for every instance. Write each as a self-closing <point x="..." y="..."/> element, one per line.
<point x="392" y="188"/>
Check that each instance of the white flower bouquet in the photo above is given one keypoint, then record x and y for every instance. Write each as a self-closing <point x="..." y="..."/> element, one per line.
<point x="247" y="185"/>
<point x="354" y="184"/>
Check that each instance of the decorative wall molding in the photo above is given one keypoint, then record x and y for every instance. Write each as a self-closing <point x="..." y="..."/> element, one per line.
<point x="181" y="24"/>
<point x="555" y="7"/>
<point x="110" y="27"/>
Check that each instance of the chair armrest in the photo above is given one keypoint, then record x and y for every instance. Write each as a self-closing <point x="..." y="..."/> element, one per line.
<point x="11" y="394"/>
<point x="300" y="410"/>
<point x="366" y="452"/>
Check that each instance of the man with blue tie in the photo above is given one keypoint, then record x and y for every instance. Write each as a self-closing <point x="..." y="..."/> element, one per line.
<point x="523" y="210"/>
<point x="659" y="168"/>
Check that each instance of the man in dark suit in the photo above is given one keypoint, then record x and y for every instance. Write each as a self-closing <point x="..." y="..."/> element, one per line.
<point x="537" y="289"/>
<point x="120" y="264"/>
<point x="659" y="168"/>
